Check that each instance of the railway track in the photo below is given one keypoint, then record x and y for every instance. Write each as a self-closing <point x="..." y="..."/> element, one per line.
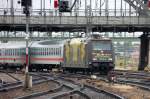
<point x="69" y="89"/>
<point x="142" y="85"/>
<point x="4" y="86"/>
<point x="139" y="79"/>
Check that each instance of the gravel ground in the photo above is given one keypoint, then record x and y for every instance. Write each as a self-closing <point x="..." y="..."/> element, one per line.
<point x="46" y="96"/>
<point x="126" y="91"/>
<point x="74" y="96"/>
<point x="6" y="78"/>
<point x="21" y="92"/>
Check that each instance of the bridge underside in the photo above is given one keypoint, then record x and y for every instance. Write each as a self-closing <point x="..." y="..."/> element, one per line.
<point x="72" y="23"/>
<point x="74" y="28"/>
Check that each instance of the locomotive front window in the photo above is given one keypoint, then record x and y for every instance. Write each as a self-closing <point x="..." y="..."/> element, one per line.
<point x="101" y="45"/>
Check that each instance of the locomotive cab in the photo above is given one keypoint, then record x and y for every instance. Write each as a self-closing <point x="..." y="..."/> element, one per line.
<point x="102" y="56"/>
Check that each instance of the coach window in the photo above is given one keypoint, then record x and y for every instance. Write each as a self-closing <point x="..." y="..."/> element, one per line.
<point x="33" y="51"/>
<point x="15" y="52"/>
<point x="0" y="52"/>
<point x="12" y="53"/>
<point x="57" y="51"/>
<point x="50" y="51"/>
<point x="47" y="52"/>
<point x="41" y="51"/>
<point x="9" y="52"/>
<point x="44" y="52"/>
<point x="54" y="51"/>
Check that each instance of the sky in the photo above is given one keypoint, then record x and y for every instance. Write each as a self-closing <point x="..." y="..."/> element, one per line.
<point x="49" y="4"/>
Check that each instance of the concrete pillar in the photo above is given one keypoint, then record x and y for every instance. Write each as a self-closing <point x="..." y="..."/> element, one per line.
<point x="144" y="52"/>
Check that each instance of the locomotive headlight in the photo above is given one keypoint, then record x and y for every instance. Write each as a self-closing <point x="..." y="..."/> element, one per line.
<point x="94" y="59"/>
<point x="90" y="63"/>
<point x="110" y="59"/>
<point x="93" y="76"/>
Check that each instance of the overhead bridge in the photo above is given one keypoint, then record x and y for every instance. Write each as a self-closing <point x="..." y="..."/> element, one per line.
<point x="76" y="23"/>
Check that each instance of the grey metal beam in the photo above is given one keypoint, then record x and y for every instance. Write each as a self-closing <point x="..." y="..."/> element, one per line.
<point x="72" y="20"/>
<point x="139" y="6"/>
<point x="67" y="23"/>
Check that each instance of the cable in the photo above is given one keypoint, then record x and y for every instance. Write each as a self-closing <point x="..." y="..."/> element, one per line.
<point x="103" y="3"/>
<point x="73" y="5"/>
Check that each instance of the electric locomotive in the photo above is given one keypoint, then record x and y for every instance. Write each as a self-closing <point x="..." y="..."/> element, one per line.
<point x="88" y="55"/>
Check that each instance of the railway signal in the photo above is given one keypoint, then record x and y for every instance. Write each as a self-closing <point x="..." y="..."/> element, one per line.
<point x="26" y="4"/>
<point x="55" y="3"/>
<point x="64" y="6"/>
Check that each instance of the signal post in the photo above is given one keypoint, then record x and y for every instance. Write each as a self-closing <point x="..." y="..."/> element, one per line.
<point x="26" y="4"/>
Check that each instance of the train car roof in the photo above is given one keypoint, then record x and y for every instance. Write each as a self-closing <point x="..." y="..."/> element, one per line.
<point x="48" y="43"/>
<point x="13" y="45"/>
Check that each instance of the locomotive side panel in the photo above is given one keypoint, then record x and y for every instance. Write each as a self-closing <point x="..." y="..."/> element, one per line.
<point x="75" y="54"/>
